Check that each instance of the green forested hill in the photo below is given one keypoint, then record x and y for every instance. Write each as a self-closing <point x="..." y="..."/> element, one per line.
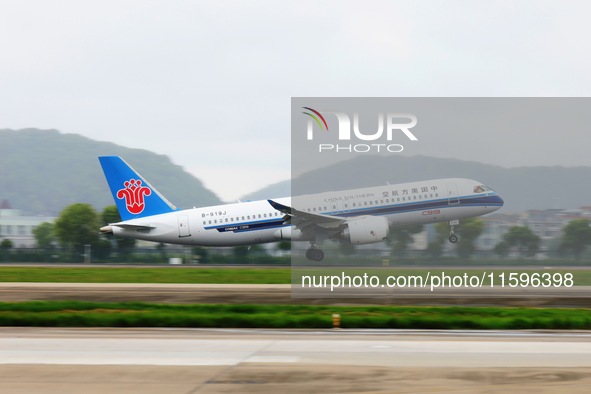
<point x="42" y="171"/>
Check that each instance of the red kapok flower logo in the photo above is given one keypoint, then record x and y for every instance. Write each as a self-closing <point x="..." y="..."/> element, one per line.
<point x="134" y="194"/>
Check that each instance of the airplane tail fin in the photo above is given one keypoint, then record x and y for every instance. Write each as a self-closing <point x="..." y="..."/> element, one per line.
<point x="133" y="195"/>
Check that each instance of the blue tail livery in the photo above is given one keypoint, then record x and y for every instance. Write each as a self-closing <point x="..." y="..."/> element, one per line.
<point x="133" y="195"/>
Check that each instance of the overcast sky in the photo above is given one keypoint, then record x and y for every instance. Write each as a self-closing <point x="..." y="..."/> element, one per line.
<point x="209" y="83"/>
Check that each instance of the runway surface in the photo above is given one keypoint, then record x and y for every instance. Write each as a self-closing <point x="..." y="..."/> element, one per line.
<point x="577" y="296"/>
<point x="268" y="361"/>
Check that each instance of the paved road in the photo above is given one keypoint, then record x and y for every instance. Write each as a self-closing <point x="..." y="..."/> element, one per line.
<point x="44" y="360"/>
<point x="578" y="296"/>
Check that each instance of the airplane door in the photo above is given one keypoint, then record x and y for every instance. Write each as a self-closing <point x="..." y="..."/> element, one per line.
<point x="452" y="194"/>
<point x="184" y="230"/>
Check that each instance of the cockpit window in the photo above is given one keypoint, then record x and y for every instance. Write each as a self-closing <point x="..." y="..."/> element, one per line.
<point x="481" y="189"/>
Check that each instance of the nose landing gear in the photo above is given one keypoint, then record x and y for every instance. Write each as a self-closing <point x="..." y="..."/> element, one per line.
<point x="453" y="238"/>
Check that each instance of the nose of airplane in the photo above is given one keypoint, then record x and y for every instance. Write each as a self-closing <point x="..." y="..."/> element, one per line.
<point x="497" y="201"/>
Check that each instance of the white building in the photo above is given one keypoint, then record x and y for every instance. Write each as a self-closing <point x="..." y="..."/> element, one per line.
<point x="17" y="228"/>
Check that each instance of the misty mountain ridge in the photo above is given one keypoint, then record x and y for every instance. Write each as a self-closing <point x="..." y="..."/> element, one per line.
<point x="43" y="171"/>
<point x="522" y="188"/>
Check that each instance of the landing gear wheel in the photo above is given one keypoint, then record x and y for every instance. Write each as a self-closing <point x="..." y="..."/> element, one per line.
<point x="453" y="238"/>
<point x="314" y="254"/>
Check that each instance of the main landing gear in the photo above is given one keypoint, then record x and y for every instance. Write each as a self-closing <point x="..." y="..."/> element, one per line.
<point x="453" y="238"/>
<point x="314" y="253"/>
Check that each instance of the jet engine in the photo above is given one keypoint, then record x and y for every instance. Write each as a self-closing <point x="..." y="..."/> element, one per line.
<point x="365" y="230"/>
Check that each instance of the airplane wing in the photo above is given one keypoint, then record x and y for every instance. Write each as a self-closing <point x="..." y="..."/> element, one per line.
<point x="307" y="221"/>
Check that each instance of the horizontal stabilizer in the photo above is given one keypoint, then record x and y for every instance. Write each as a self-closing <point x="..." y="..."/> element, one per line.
<point x="109" y="229"/>
<point x="133" y="226"/>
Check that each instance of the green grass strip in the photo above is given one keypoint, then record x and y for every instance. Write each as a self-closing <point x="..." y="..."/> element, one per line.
<point x="95" y="314"/>
<point x="247" y="275"/>
<point x="146" y="275"/>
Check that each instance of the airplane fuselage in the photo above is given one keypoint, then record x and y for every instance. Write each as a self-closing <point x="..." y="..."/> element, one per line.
<point x="257" y="222"/>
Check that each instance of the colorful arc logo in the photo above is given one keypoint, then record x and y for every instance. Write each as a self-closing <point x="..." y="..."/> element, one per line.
<point x="134" y="193"/>
<point x="317" y="116"/>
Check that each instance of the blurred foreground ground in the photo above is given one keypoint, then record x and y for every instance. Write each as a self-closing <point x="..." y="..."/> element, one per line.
<point x="55" y="360"/>
<point x="576" y="296"/>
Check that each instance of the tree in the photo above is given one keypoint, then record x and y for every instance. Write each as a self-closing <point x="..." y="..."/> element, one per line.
<point x="161" y="247"/>
<point x="469" y="230"/>
<point x="524" y="239"/>
<point x="576" y="237"/>
<point x="502" y="249"/>
<point x="201" y="254"/>
<point x="76" y="226"/>
<point x="284" y="246"/>
<point x="435" y="247"/>
<point x="402" y="237"/>
<point x="45" y="235"/>
<point x="125" y="246"/>
<point x="240" y="253"/>
<point x="5" y="247"/>
<point x="346" y="248"/>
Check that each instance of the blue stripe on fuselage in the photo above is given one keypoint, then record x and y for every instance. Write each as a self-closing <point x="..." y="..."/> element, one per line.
<point x="465" y="201"/>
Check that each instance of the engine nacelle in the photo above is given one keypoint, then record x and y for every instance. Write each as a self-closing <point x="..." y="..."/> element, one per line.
<point x="365" y="230"/>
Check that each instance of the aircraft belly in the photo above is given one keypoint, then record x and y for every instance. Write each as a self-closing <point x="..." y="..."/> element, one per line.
<point x="462" y="212"/>
<point x="417" y="217"/>
<point x="212" y="237"/>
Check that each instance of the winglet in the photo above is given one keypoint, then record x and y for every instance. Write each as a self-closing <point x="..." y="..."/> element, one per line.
<point x="280" y="207"/>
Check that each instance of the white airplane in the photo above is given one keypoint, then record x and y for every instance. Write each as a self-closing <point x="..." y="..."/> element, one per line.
<point x="359" y="216"/>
